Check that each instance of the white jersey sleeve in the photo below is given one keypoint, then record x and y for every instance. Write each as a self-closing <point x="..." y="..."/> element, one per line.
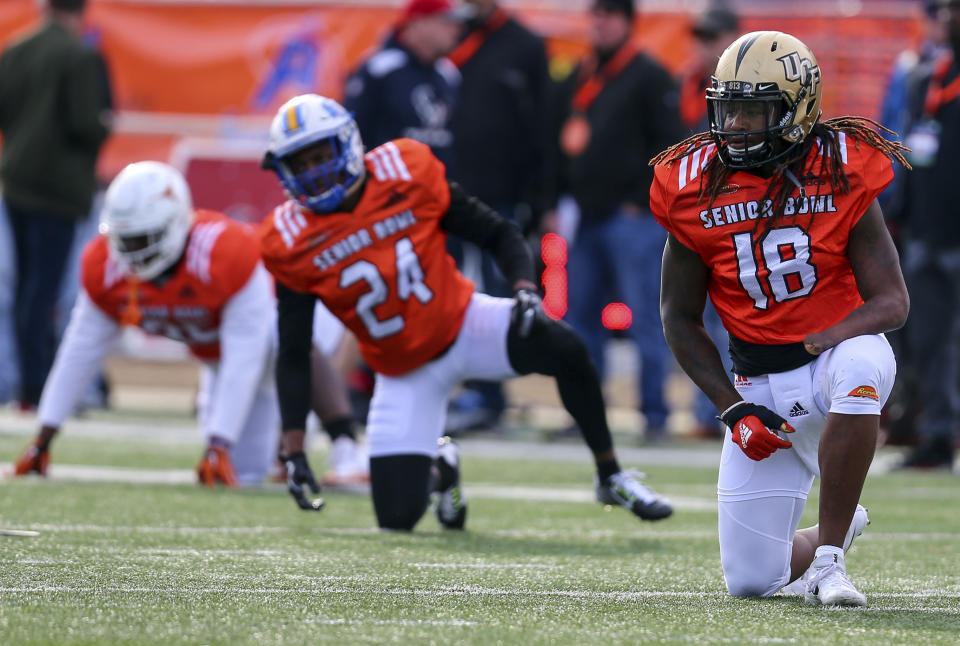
<point x="87" y="340"/>
<point x="247" y="332"/>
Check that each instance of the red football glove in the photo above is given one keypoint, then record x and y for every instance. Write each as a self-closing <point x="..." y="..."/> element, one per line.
<point x="32" y="460"/>
<point x="751" y="425"/>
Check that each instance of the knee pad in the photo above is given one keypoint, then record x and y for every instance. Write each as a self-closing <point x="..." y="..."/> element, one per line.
<point x="400" y="488"/>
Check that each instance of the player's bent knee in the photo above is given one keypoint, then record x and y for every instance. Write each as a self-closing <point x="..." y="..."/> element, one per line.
<point x="399" y="520"/>
<point x="552" y="348"/>
<point x="750" y="579"/>
<point x="400" y="488"/>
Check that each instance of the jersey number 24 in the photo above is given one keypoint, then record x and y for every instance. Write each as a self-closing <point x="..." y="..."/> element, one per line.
<point x="409" y="283"/>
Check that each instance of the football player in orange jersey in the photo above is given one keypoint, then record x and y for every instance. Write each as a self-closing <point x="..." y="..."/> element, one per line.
<point x="366" y="234"/>
<point x="773" y="213"/>
<point x="193" y="276"/>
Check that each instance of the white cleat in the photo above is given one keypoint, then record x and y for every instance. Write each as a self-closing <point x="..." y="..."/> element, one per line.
<point x="349" y="465"/>
<point x="857" y="525"/>
<point x="860" y="520"/>
<point x="799" y="586"/>
<point x="829" y="585"/>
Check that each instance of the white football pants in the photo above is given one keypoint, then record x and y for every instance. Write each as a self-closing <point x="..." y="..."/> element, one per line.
<point x="760" y="502"/>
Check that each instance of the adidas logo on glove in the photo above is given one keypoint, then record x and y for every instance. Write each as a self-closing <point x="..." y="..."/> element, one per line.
<point x="745" y="434"/>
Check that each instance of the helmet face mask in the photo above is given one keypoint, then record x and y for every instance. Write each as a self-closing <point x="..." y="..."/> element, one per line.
<point x="147" y="216"/>
<point x="316" y="151"/>
<point x="748" y="127"/>
<point x="764" y="98"/>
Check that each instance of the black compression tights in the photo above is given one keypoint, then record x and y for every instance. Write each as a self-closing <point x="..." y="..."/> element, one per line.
<point x="553" y="348"/>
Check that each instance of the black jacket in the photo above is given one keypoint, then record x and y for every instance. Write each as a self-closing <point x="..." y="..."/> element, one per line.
<point x="394" y="95"/>
<point x="54" y="115"/>
<point x="499" y="126"/>
<point x="634" y="117"/>
<point x="929" y="212"/>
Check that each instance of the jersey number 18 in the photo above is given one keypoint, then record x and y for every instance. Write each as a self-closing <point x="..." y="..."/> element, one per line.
<point x="789" y="272"/>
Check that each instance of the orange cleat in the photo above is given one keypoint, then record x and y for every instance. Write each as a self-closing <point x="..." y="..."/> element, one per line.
<point x="215" y="466"/>
<point x="32" y="460"/>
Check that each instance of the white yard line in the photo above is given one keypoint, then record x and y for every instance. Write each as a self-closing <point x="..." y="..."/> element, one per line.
<point x="127" y="475"/>
<point x="593" y="534"/>
<point x="462" y="591"/>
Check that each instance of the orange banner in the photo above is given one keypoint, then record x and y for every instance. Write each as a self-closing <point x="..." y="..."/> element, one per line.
<point x="218" y="71"/>
<point x="247" y="59"/>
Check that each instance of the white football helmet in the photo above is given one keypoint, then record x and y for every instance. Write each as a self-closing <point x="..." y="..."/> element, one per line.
<point x="147" y="215"/>
<point x="308" y="120"/>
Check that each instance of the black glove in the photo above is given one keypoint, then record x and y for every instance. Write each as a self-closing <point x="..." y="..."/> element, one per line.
<point x="742" y="409"/>
<point x="754" y="429"/>
<point x="526" y="310"/>
<point x="298" y="475"/>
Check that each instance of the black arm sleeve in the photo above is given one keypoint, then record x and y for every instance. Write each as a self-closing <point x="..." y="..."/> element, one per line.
<point x="475" y="222"/>
<point x="295" y="327"/>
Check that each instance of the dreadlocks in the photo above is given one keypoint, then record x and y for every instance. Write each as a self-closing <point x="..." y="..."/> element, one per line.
<point x="715" y="174"/>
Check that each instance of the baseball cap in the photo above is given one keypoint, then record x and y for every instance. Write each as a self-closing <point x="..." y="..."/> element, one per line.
<point x="715" y="20"/>
<point x="415" y="9"/>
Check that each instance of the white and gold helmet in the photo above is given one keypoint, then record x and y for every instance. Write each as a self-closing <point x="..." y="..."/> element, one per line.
<point x="773" y="80"/>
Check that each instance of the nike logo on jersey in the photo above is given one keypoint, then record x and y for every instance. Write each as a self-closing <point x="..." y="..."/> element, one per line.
<point x="395" y="198"/>
<point x="798" y="410"/>
<point x="719" y="216"/>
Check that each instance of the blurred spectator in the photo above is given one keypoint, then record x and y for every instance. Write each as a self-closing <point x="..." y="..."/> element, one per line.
<point x="932" y="250"/>
<point x="54" y="118"/>
<point x="9" y="375"/>
<point x="900" y="414"/>
<point x="895" y="111"/>
<point x="713" y="29"/>
<point x="499" y="138"/>
<point x="619" y="107"/>
<point x="407" y="89"/>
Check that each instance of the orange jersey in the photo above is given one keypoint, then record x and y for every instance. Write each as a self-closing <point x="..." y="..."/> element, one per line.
<point x="382" y="269"/>
<point x="773" y="282"/>
<point x="218" y="260"/>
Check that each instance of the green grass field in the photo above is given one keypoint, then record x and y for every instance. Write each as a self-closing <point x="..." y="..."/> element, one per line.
<point x="119" y="563"/>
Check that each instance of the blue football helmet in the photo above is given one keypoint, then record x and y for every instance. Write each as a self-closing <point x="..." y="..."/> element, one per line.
<point x="312" y="120"/>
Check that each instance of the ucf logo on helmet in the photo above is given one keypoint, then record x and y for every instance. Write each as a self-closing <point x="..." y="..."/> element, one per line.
<point x="801" y="69"/>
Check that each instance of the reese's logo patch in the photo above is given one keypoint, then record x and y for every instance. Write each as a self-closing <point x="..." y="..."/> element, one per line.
<point x="865" y="391"/>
